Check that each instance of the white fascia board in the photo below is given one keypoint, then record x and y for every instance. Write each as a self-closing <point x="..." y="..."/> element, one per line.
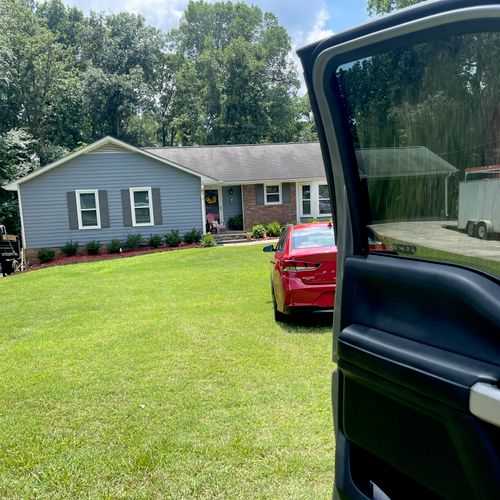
<point x="12" y="186"/>
<point x="273" y="181"/>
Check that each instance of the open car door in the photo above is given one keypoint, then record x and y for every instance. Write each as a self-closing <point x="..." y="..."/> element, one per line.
<point x="405" y="106"/>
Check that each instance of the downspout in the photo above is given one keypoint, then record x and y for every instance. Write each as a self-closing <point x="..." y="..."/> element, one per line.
<point x="203" y="211"/>
<point x="23" y="234"/>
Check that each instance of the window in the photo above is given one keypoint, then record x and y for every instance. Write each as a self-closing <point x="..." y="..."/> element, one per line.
<point x="428" y="153"/>
<point x="272" y="194"/>
<point x="324" y="206"/>
<point x="314" y="237"/>
<point x="142" y="207"/>
<point x="306" y="199"/>
<point x="87" y="204"/>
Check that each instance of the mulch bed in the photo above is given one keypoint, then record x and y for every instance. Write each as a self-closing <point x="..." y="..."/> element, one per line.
<point x="60" y="261"/>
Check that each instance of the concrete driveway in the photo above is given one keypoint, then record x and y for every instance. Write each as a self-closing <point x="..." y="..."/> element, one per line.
<point x="438" y="236"/>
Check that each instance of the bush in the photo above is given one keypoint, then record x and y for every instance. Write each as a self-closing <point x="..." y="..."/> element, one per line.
<point x="70" y="248"/>
<point x="93" y="247"/>
<point x="133" y="240"/>
<point x="45" y="255"/>
<point x="312" y="219"/>
<point x="173" y="238"/>
<point x="258" y="231"/>
<point x="235" y="222"/>
<point x="193" y="236"/>
<point x="273" y="229"/>
<point x="155" y="240"/>
<point x="208" y="241"/>
<point x="115" y="246"/>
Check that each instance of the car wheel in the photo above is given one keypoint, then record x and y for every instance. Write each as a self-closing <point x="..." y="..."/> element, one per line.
<point x="470" y="229"/>
<point x="482" y="231"/>
<point x="278" y="316"/>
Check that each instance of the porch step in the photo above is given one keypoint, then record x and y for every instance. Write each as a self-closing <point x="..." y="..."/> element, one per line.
<point x="230" y="237"/>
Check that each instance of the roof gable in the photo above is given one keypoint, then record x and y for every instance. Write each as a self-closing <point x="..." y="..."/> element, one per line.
<point x="105" y="145"/>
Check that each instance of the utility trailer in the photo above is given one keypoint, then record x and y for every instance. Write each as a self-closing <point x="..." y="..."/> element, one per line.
<point x="11" y="253"/>
<point x="479" y="202"/>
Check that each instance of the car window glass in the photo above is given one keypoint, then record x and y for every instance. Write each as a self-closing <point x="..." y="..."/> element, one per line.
<point x="313" y="237"/>
<point x="425" y="125"/>
<point x="281" y="242"/>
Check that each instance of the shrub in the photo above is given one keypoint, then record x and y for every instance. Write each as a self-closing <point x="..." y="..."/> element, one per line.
<point x="155" y="240"/>
<point x="258" y="231"/>
<point x="133" y="240"/>
<point x="193" y="236"/>
<point x="235" y="222"/>
<point x="312" y="219"/>
<point x="115" y="246"/>
<point x="93" y="247"/>
<point x="208" y="241"/>
<point x="173" y="238"/>
<point x="70" y="248"/>
<point x="45" y="254"/>
<point x="273" y="228"/>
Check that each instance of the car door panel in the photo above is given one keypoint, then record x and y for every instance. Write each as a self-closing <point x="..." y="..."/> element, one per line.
<point x="416" y="340"/>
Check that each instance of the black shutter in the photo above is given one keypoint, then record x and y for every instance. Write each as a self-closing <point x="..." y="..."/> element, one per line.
<point x="157" y="214"/>
<point x="127" y="213"/>
<point x="72" y="210"/>
<point x="285" y="192"/>
<point x="259" y="194"/>
<point x="103" y="208"/>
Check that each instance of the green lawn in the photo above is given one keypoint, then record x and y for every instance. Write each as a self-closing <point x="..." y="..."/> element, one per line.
<point x="161" y="376"/>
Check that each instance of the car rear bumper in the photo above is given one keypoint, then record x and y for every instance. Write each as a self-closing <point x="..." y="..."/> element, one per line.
<point x="313" y="297"/>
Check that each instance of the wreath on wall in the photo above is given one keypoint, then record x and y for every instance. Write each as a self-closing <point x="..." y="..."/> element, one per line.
<point x="211" y="199"/>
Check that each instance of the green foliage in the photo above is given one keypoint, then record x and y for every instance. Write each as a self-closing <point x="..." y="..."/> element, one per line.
<point x="93" y="247"/>
<point x="115" y="246"/>
<point x="173" y="238"/>
<point x="273" y="229"/>
<point x="70" y="248"/>
<point x="155" y="240"/>
<point x="133" y="240"/>
<point x="193" y="236"/>
<point x="45" y="255"/>
<point x="258" y="231"/>
<point x="208" y="241"/>
<point x="235" y="222"/>
<point x="376" y="7"/>
<point x="312" y="219"/>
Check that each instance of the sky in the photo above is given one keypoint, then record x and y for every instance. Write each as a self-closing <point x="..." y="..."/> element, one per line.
<point x="306" y="21"/>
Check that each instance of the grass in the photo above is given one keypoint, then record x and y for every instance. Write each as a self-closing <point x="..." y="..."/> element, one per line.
<point x="161" y="376"/>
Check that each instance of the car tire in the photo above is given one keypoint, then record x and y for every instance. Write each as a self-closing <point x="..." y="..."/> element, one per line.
<point x="482" y="231"/>
<point x="470" y="229"/>
<point x="278" y="316"/>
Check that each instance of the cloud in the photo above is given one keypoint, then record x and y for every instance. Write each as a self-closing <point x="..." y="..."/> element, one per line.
<point x="319" y="31"/>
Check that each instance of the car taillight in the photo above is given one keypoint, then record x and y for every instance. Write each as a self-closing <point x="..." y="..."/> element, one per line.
<point x="293" y="266"/>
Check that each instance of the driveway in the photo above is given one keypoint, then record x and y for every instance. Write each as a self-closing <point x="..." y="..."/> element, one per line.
<point x="439" y="235"/>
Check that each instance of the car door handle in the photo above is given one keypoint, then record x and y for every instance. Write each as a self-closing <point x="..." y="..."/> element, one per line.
<point x="484" y="402"/>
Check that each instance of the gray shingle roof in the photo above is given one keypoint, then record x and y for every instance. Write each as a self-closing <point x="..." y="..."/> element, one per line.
<point x="249" y="163"/>
<point x="261" y="162"/>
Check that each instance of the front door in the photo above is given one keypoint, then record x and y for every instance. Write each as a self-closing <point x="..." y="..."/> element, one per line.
<point x="416" y="394"/>
<point x="212" y="203"/>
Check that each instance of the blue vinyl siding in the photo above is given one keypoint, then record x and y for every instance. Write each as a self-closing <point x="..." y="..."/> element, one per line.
<point x="45" y="209"/>
<point x="234" y="209"/>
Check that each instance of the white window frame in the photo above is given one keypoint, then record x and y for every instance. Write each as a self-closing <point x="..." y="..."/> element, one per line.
<point x="314" y="186"/>
<point x="79" y="209"/>
<point x="132" y="206"/>
<point x="280" y="195"/>
<point x="317" y="199"/>
<point x="311" y="200"/>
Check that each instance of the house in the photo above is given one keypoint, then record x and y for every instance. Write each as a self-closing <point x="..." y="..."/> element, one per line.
<point x="109" y="189"/>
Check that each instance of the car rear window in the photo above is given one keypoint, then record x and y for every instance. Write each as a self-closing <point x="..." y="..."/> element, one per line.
<point x="313" y="237"/>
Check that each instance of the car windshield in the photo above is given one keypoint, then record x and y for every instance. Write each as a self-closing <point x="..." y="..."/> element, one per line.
<point x="313" y="237"/>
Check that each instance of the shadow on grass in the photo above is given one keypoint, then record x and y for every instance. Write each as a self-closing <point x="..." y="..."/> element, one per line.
<point x="317" y="323"/>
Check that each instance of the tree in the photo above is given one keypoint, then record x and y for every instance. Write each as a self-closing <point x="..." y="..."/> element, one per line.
<point x="248" y="83"/>
<point x="386" y="6"/>
<point x="17" y="158"/>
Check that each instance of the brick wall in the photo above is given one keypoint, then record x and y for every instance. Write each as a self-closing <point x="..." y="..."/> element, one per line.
<point x="263" y="214"/>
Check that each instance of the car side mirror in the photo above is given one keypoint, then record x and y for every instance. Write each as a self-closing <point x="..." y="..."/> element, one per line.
<point x="269" y="248"/>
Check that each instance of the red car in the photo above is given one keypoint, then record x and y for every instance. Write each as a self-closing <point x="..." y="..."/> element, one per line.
<point x="303" y="269"/>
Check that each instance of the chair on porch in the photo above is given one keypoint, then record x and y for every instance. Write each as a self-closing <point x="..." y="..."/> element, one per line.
<point x="214" y="224"/>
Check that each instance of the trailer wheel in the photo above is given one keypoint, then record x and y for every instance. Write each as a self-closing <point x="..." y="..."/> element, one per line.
<point x="470" y="229"/>
<point x="482" y="231"/>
